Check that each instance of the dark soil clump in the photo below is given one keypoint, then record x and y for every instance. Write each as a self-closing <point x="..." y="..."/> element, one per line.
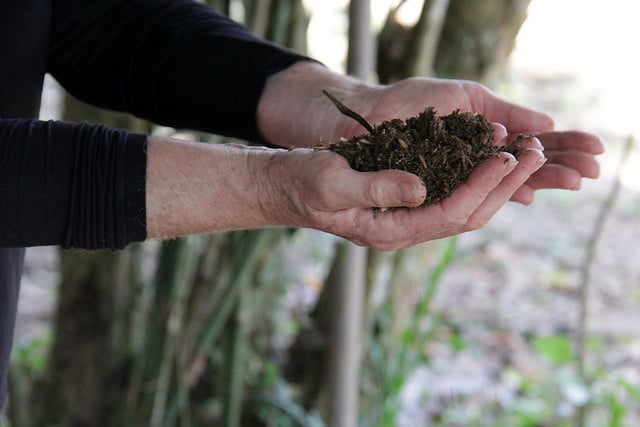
<point x="442" y="151"/>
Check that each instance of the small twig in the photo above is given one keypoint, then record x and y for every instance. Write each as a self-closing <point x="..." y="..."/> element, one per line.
<point x="585" y="270"/>
<point x="349" y="112"/>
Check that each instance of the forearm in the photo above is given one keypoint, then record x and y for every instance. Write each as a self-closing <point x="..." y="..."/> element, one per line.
<point x="199" y="188"/>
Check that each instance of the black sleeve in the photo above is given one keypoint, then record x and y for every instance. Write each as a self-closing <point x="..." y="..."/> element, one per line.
<point x="75" y="185"/>
<point x="174" y="62"/>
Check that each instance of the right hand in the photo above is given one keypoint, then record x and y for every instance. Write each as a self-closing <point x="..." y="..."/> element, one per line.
<point x="320" y="190"/>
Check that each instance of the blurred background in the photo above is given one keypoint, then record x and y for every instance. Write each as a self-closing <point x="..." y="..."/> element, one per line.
<point x="531" y="321"/>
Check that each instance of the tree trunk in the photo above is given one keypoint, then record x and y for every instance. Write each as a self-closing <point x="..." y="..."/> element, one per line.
<point x="468" y="39"/>
<point x="88" y="359"/>
<point x="90" y="353"/>
<point x="478" y="37"/>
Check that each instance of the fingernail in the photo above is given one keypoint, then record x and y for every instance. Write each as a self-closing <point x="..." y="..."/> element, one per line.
<point x="527" y="141"/>
<point x="412" y="194"/>
<point x="510" y="161"/>
<point x="540" y="159"/>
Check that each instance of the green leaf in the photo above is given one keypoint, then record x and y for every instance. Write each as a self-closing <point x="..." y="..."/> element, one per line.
<point x="555" y="348"/>
<point x="617" y="411"/>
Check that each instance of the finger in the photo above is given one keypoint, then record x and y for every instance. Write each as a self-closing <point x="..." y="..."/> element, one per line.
<point x="563" y="170"/>
<point x="526" y="141"/>
<point x="572" y="140"/>
<point x="381" y="189"/>
<point x="499" y="133"/>
<point x="525" y="195"/>
<point x="586" y="165"/>
<point x="555" y="176"/>
<point x="529" y="161"/>
<point x="466" y="199"/>
<point x="448" y="217"/>
<point x="521" y="140"/>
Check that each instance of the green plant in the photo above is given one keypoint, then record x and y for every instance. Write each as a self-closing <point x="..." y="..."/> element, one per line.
<point x="555" y="348"/>
<point x="400" y="333"/>
<point x="276" y="406"/>
<point x="31" y="355"/>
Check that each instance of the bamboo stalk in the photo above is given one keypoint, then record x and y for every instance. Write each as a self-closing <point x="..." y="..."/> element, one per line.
<point x="251" y="246"/>
<point x="180" y="284"/>
<point x="425" y="37"/>
<point x="345" y="346"/>
<point x="238" y="359"/>
<point x="348" y="292"/>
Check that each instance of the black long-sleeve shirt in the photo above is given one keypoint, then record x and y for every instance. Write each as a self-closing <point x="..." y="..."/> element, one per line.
<point x="174" y="62"/>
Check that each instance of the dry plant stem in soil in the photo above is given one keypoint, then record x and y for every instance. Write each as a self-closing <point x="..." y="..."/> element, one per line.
<point x="440" y="150"/>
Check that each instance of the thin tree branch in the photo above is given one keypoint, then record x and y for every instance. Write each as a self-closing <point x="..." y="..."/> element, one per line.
<point x="585" y="272"/>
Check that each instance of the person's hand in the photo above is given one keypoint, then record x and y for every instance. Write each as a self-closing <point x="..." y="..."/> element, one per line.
<point x="571" y="154"/>
<point x="203" y="188"/>
<point x="318" y="189"/>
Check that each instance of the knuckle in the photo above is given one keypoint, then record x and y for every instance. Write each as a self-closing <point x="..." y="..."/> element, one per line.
<point x="476" y="223"/>
<point x="319" y="194"/>
<point x="376" y="193"/>
<point x="334" y="161"/>
<point x="459" y="220"/>
<point x="324" y="199"/>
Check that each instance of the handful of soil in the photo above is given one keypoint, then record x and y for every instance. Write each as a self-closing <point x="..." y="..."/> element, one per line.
<point x="442" y="151"/>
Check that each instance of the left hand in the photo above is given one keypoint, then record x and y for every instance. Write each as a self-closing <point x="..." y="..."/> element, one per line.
<point x="570" y="154"/>
<point x="298" y="114"/>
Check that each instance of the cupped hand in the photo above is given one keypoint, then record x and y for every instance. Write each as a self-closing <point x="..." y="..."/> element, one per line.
<point x="323" y="192"/>
<point x="571" y="154"/>
<point x="409" y="97"/>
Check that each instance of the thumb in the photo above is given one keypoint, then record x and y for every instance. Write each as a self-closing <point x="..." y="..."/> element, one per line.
<point x="382" y="189"/>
